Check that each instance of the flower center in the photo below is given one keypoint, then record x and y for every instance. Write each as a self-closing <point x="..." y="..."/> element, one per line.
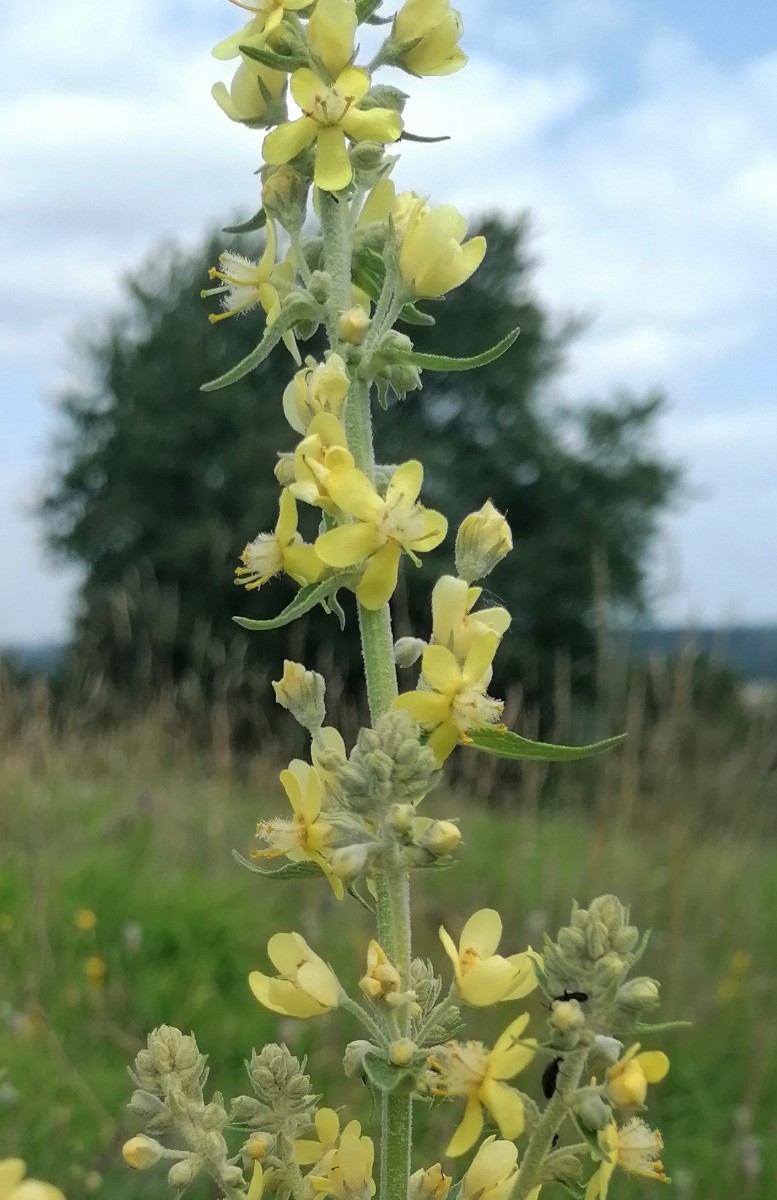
<point x="464" y="1067"/>
<point x="262" y="558"/>
<point x="330" y="107"/>
<point x="402" y="522"/>
<point x="472" y="709"/>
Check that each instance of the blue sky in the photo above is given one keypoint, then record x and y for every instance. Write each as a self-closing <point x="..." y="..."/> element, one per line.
<point x="641" y="134"/>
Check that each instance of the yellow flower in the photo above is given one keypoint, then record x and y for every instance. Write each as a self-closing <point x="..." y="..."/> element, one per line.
<point x="454" y="624"/>
<point x="492" y="1172"/>
<point x="327" y="751"/>
<point x="327" y="1125"/>
<point x="306" y="987"/>
<point x="483" y="976"/>
<point x="382" y="979"/>
<point x="260" y="29"/>
<point x="317" y="388"/>
<point x="95" y="970"/>
<point x="12" y="1172"/>
<point x="470" y="1069"/>
<point x="141" y="1152"/>
<point x="270" y="553"/>
<point x="429" y="1184"/>
<point x="382" y="529"/>
<point x="331" y="113"/>
<point x="250" y="93"/>
<point x="315" y="458"/>
<point x="84" y="920"/>
<point x="434" y="258"/>
<point x="438" y="27"/>
<point x="346" y="1172"/>
<point x="256" y="1186"/>
<point x="307" y="836"/>
<point x="302" y="693"/>
<point x="331" y="33"/>
<point x="457" y="703"/>
<point x="627" y="1080"/>
<point x="634" y="1147"/>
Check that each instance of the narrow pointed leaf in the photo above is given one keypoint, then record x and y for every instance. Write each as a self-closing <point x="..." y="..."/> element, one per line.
<point x="405" y="136"/>
<point x="415" y="316"/>
<point x="268" y="58"/>
<point x="445" y="362"/>
<point x="366" y="9"/>
<point x="257" y="221"/>
<point x="305" y="599"/>
<point x="286" y="319"/>
<point x="292" y="870"/>
<point x="512" y="745"/>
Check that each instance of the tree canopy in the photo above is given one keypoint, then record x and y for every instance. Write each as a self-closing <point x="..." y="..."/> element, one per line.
<point x="157" y="486"/>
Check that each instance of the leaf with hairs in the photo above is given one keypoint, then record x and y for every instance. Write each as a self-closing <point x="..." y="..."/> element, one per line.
<point x="512" y="745"/>
<point x="446" y="362"/>
<point x="306" y="598"/>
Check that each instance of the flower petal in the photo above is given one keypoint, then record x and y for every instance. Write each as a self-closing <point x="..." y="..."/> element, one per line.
<point x="333" y="170"/>
<point x="292" y="785"/>
<point x="379" y="580"/>
<point x="482" y="933"/>
<point x="507" y="1040"/>
<point x="487" y="982"/>
<point x="319" y="981"/>
<point x="479" y="658"/>
<point x="405" y="484"/>
<point x="441" y="670"/>
<point x="505" y="1106"/>
<point x="353" y="83"/>
<point x="524" y="976"/>
<point x="378" y="205"/>
<point x="305" y="88"/>
<point x="443" y="741"/>
<point x="286" y="951"/>
<point x="348" y="544"/>
<point x="434" y="527"/>
<point x="449" y="608"/>
<point x="451" y="951"/>
<point x="469" y="1130"/>
<point x="428" y="708"/>
<point x="289" y="140"/>
<point x="654" y="1064"/>
<point x="327" y="1126"/>
<point x="372" y="125"/>
<point x="352" y="491"/>
<point x="301" y="562"/>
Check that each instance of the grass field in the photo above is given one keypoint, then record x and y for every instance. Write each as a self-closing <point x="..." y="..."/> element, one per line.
<point x="136" y="828"/>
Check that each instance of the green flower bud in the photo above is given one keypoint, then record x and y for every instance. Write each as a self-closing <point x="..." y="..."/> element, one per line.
<point x="182" y="1173"/>
<point x="408" y="650"/>
<point x="483" y="540"/>
<point x="302" y="693"/>
<point x="638" y="995"/>
<point x="353" y="1059"/>
<point x="592" y="1110"/>
<point x="401" y="1052"/>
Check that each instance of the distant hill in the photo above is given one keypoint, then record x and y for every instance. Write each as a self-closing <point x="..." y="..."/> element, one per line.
<point x="750" y="650"/>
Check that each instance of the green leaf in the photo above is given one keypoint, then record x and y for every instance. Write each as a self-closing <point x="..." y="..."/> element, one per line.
<point x="257" y="221"/>
<point x="445" y="362"/>
<point x="292" y="870"/>
<point x="382" y="1074"/>
<point x="663" y="1027"/>
<point x="512" y="745"/>
<point x="366" y="9"/>
<point x="405" y="136"/>
<point x="305" y="599"/>
<point x="268" y="58"/>
<point x="285" y="321"/>
<point x="415" y="316"/>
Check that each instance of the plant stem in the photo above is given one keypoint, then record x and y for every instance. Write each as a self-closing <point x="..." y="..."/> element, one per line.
<point x="392" y="880"/>
<point x="549" y="1123"/>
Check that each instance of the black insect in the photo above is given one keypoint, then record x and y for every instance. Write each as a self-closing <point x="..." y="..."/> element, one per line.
<point x="550" y="1077"/>
<point x="581" y="997"/>
<point x="555" y="1141"/>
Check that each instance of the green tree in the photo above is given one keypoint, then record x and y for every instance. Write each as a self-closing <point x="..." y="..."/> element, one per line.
<point x="157" y="486"/>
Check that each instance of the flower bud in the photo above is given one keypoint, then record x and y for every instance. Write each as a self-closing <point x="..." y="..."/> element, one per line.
<point x="259" y="1146"/>
<point x="483" y="540"/>
<point x="401" y="1052"/>
<point x="382" y="978"/>
<point x="597" y="940"/>
<point x="608" y="1048"/>
<point x="353" y="1059"/>
<point x="284" y="195"/>
<point x="610" y="911"/>
<point x="440" y="837"/>
<point x="408" y="650"/>
<point x="353" y="325"/>
<point x="383" y="95"/>
<point x="638" y="995"/>
<point x="182" y="1174"/>
<point x="567" y="1016"/>
<point x="368" y="160"/>
<point x="320" y="286"/>
<point x="592" y="1111"/>
<point x="425" y="39"/>
<point x="302" y="693"/>
<point x="142" y="1152"/>
<point x="350" y="861"/>
<point x="401" y="817"/>
<point x="429" y="1184"/>
<point x="284" y="470"/>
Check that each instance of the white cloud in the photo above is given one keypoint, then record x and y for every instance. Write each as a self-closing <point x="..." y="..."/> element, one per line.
<point x="654" y="210"/>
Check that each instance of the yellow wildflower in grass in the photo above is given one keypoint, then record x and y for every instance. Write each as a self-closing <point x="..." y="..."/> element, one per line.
<point x="433" y="257"/>
<point x="381" y="979"/>
<point x="627" y="1080"/>
<point x="251" y="92"/>
<point x="85" y="920"/>
<point x="327" y="1123"/>
<point x="317" y="388"/>
<point x="492" y="1172"/>
<point x="346" y="1171"/>
<point x="635" y="1148"/>
<point x="456" y="702"/>
<point x="381" y="529"/>
<point x="306" y="986"/>
<point x="307" y="836"/>
<point x="483" y="976"/>
<point x="470" y="1069"/>
<point x="283" y="550"/>
<point x="260" y="29"/>
<point x="436" y="28"/>
<point x="331" y="114"/>
<point x="95" y="970"/>
<point x="13" y="1185"/>
<point x="316" y="456"/>
<point x="454" y="624"/>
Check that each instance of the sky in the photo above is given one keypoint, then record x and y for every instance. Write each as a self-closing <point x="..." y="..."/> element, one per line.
<point x="640" y="134"/>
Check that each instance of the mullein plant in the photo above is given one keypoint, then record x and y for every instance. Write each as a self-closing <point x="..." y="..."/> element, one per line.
<point x="360" y="268"/>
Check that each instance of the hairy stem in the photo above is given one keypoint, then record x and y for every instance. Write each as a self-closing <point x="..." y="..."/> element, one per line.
<point x="549" y="1123"/>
